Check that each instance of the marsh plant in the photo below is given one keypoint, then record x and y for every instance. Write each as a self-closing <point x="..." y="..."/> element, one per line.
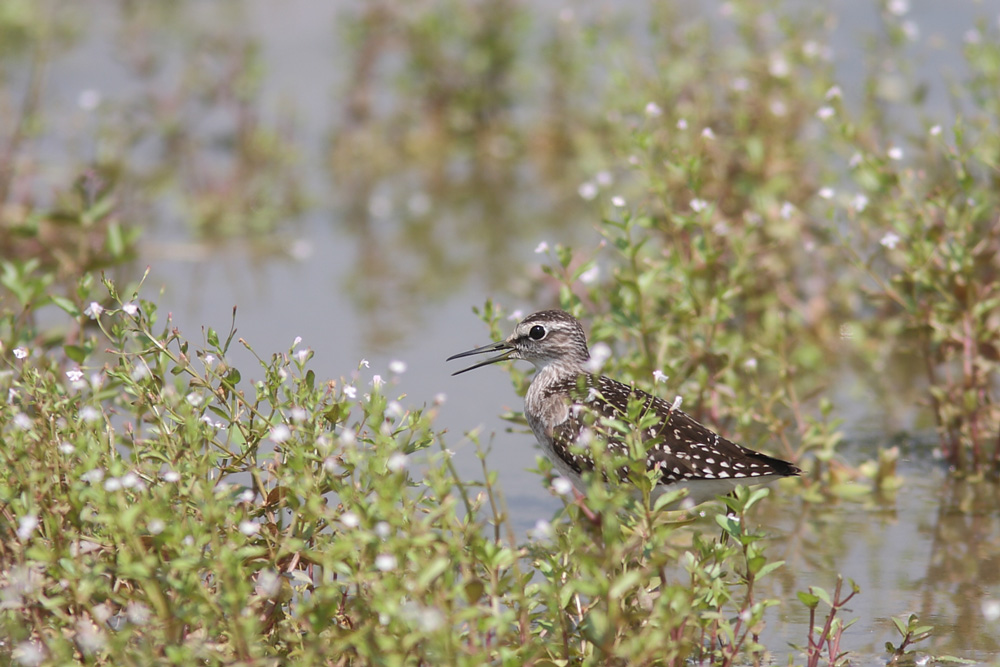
<point x="161" y="504"/>
<point x="164" y="507"/>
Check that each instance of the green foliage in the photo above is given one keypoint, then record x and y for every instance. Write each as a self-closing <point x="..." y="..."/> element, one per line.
<point x="162" y="507"/>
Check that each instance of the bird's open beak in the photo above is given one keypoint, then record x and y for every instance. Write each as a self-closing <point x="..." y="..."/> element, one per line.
<point x="502" y="346"/>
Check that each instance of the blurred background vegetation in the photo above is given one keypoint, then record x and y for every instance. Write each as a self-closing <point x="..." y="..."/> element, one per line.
<point x="788" y="209"/>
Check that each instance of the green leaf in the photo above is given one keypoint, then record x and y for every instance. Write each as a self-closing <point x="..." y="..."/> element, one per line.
<point x="75" y="352"/>
<point x="623" y="584"/>
<point x="115" y="240"/>
<point x="821" y="594"/>
<point x="213" y="338"/>
<point x="808" y="599"/>
<point x="769" y="568"/>
<point x="66" y="305"/>
<point x="431" y="572"/>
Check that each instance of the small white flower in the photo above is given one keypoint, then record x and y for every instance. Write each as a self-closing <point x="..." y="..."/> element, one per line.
<point x="599" y="354"/>
<point x="890" y="240"/>
<point x="676" y="405"/>
<point x="248" y="527"/>
<point x="895" y="153"/>
<point x="440" y="398"/>
<point x="682" y="124"/>
<point x="363" y="362"/>
<point x="587" y="190"/>
<point x="298" y="414"/>
<point x="707" y="133"/>
<point x="280" y="433"/>
<point x="750" y="364"/>
<point x="209" y="359"/>
<point x="653" y="110"/>
<point x="303" y="355"/>
<point x="825" y="112"/>
<point x="171" y="476"/>
<point x="618" y="201"/>
<point x="385" y="562"/>
<point x="194" y="398"/>
<point x="779" y="108"/>
<point x="376" y="381"/>
<point x="589" y="276"/>
<point x="156" y="526"/>
<point x="130" y="308"/>
<point x="246" y="496"/>
<point x="604" y="178"/>
<point x="855" y="160"/>
<point x="397" y="367"/>
<point x="833" y="93"/>
<point x="89" y="413"/>
<point x="29" y="654"/>
<point x="740" y="84"/>
<point x="541" y="248"/>
<point x="93" y="476"/>
<point x="20" y="352"/>
<point x="74" y="374"/>
<point x="94" y="310"/>
<point x="659" y="376"/>
<point x="991" y="610"/>
<point x="860" y="202"/>
<point x="898" y="7"/>
<point x="698" y="205"/>
<point x="562" y="486"/>
<point x="351" y="392"/>
<point x="779" y="67"/>
<point x="26" y="525"/>
<point x="22" y="421"/>
<point x="516" y="316"/>
<point x="394" y="410"/>
<point x="88" y="99"/>
<point x="141" y="371"/>
<point x="541" y="531"/>
<point x="396" y="462"/>
<point x="419" y="204"/>
<point x="911" y="30"/>
<point x="382" y="529"/>
<point x="935" y="130"/>
<point x="972" y="36"/>
<point x="130" y="480"/>
<point x="112" y="484"/>
<point x="268" y="584"/>
<point x="66" y="447"/>
<point x="633" y="160"/>
<point x="350" y="520"/>
<point x="137" y="613"/>
<point x="348" y="436"/>
<point x="826" y="193"/>
<point x="787" y="210"/>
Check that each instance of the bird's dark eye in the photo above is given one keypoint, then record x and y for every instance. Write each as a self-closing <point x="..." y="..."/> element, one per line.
<point x="537" y="332"/>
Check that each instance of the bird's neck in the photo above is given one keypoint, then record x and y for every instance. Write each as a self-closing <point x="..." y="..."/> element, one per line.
<point x="557" y="371"/>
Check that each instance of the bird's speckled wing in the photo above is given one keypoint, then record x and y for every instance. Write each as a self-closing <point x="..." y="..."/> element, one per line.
<point x="679" y="446"/>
